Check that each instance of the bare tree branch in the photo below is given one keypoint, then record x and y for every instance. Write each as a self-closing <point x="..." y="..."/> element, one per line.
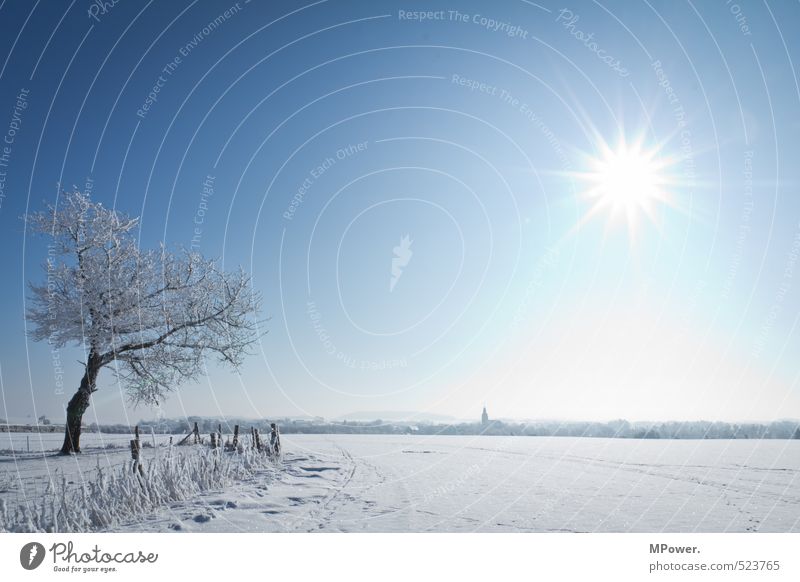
<point x="156" y="314"/>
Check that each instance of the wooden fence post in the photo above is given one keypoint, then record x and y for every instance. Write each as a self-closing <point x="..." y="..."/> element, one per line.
<point x="235" y="437"/>
<point x="137" y="462"/>
<point x="135" y="452"/>
<point x="213" y="440"/>
<point x="196" y="432"/>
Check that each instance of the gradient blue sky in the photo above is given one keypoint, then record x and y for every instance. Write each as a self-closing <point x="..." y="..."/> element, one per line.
<point x="510" y="297"/>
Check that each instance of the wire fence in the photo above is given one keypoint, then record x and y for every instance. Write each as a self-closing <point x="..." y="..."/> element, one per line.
<point x="37" y="498"/>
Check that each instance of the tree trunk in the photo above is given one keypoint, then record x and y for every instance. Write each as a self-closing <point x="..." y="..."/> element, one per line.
<point x="78" y="405"/>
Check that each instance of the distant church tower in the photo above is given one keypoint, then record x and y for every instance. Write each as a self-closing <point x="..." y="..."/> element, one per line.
<point x="484" y="417"/>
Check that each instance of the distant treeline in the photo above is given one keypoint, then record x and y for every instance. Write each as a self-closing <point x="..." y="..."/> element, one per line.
<point x="5" y="427"/>
<point x="785" y="429"/>
<point x="700" y="429"/>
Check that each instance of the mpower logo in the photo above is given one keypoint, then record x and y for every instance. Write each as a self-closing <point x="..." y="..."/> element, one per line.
<point x="31" y="555"/>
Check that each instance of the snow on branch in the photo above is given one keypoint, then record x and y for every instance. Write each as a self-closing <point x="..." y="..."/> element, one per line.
<point x="155" y="314"/>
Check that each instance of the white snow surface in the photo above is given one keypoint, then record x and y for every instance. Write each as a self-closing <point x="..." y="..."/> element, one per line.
<point x="386" y="483"/>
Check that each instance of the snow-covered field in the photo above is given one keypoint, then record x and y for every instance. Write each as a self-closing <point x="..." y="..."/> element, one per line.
<point x="473" y="483"/>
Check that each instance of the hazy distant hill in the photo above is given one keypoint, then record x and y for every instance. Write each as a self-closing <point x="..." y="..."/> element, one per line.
<point x="395" y="416"/>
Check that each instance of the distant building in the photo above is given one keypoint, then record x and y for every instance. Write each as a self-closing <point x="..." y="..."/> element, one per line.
<point x="484" y="417"/>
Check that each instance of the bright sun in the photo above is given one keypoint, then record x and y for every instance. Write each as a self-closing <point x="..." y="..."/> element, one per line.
<point x="627" y="182"/>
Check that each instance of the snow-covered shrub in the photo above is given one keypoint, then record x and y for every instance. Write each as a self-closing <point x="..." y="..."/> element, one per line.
<point x="6" y="482"/>
<point x="114" y="496"/>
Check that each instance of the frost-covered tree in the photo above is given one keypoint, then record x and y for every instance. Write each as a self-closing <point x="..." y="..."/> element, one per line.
<point x="152" y="316"/>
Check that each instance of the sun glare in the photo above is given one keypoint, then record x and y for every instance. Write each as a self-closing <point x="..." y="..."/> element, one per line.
<point x="626" y="179"/>
<point x="627" y="182"/>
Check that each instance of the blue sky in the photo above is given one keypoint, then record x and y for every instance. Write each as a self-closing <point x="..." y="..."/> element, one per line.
<point x="329" y="131"/>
